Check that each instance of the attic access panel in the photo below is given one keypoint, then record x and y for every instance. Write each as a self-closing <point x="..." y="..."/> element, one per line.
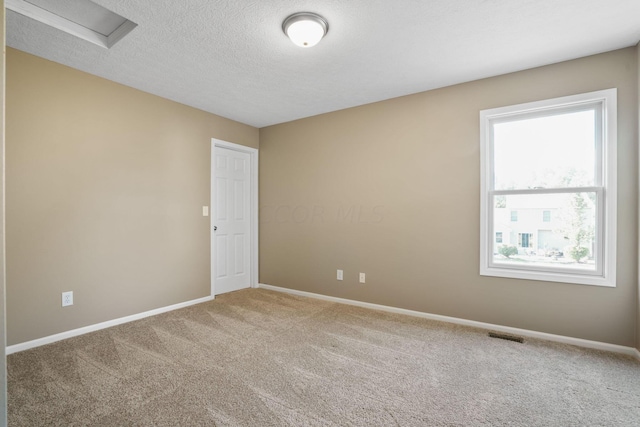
<point x="80" y="18"/>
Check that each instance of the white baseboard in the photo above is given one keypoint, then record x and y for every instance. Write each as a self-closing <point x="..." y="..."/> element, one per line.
<point x="91" y="328"/>
<point x="630" y="351"/>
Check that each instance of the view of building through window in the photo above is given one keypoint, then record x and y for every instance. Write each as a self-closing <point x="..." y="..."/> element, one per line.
<point x="550" y="152"/>
<point x="567" y="239"/>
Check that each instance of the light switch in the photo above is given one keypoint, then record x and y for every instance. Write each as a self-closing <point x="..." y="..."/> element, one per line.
<point x="205" y="211"/>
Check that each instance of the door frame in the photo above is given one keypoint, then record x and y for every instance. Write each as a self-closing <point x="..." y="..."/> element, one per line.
<point x="253" y="220"/>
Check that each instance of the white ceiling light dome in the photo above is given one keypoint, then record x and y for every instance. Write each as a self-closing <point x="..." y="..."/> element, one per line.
<point x="305" y="29"/>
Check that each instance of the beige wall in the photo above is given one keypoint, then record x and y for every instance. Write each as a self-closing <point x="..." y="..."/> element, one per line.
<point x="3" y="359"/>
<point x="105" y="185"/>
<point x="638" y="139"/>
<point x="105" y="188"/>
<point x="392" y="189"/>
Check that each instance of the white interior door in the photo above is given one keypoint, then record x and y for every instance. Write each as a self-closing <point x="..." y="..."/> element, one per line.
<point x="231" y="220"/>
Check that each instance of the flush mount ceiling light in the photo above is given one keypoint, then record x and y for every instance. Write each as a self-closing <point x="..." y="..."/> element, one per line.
<point x="80" y="18"/>
<point x="305" y="29"/>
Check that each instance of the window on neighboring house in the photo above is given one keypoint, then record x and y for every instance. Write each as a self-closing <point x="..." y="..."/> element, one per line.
<point x="555" y="155"/>
<point x="499" y="237"/>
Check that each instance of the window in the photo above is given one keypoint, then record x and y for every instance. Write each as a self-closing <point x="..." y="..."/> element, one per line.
<point x="559" y="156"/>
<point x="498" y="236"/>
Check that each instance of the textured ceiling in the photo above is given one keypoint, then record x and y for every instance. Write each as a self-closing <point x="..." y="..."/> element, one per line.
<point x="231" y="58"/>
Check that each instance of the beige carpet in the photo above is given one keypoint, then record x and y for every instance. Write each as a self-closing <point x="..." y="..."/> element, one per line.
<point x="261" y="358"/>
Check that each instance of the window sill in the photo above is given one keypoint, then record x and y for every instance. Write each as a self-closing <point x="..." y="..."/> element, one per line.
<point x="546" y="276"/>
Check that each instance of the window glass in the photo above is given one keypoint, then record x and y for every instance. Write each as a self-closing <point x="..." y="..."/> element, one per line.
<point x="569" y="244"/>
<point x="545" y="152"/>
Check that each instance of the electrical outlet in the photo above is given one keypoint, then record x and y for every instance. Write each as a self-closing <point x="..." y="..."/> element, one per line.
<point x="339" y="275"/>
<point x="362" y="277"/>
<point x="67" y="298"/>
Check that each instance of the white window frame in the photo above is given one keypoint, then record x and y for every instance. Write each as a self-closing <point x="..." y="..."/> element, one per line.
<point x="605" y="188"/>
